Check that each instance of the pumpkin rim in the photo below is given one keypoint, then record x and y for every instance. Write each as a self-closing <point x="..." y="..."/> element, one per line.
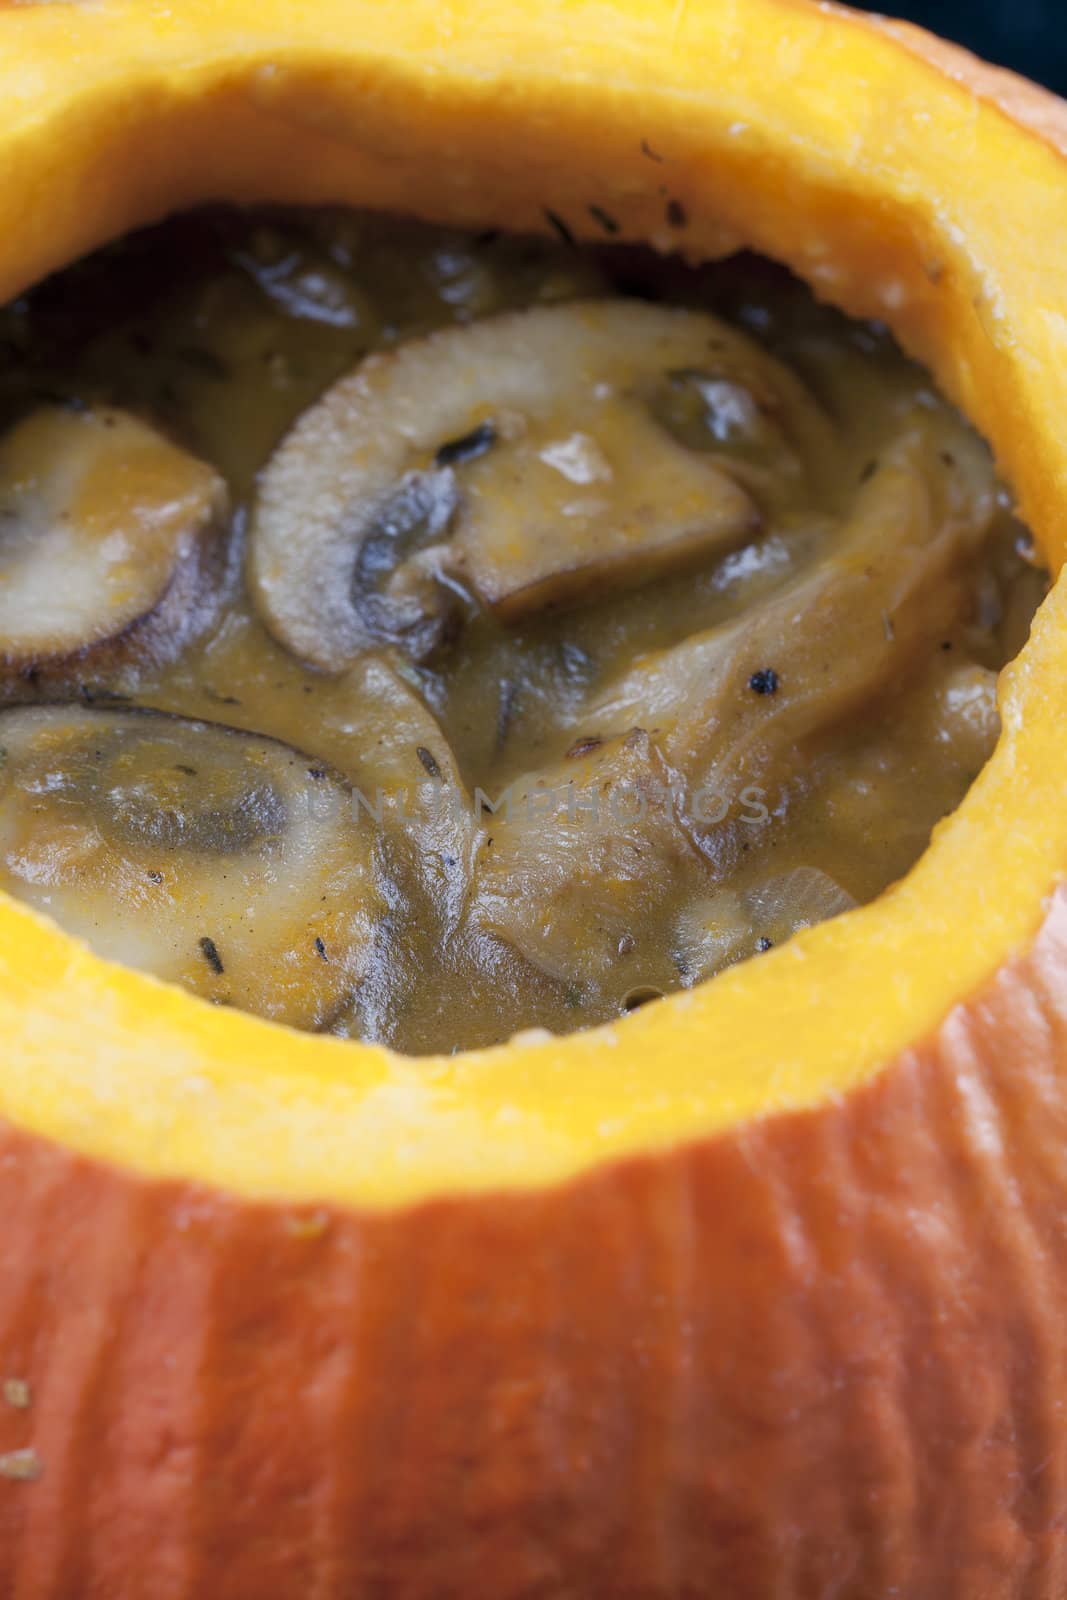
<point x="141" y="1075"/>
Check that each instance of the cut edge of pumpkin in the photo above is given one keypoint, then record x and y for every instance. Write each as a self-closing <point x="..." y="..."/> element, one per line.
<point x="135" y="1073"/>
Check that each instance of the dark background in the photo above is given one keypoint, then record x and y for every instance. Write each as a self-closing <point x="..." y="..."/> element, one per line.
<point x="1029" y="35"/>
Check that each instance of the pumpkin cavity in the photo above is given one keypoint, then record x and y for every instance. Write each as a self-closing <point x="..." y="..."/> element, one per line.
<point x="637" y="617"/>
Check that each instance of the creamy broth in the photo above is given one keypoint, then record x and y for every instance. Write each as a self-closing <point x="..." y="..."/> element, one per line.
<point x="646" y="660"/>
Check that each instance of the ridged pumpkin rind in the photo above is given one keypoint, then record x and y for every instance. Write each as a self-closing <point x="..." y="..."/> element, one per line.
<point x="822" y="1356"/>
<point x="810" y="1353"/>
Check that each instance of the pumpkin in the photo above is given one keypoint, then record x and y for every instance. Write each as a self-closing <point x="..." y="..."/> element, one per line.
<point x="759" y="1292"/>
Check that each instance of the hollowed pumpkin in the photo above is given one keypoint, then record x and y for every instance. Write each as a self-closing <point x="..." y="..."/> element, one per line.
<point x="760" y="1292"/>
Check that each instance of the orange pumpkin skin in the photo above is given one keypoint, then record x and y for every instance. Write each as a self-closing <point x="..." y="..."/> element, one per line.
<point x="822" y="1355"/>
<point x="808" y="1355"/>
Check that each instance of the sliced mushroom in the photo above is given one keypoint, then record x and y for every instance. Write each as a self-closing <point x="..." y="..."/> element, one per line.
<point x="561" y="516"/>
<point x="715" y="932"/>
<point x="107" y="543"/>
<point x="221" y="860"/>
<point x="733" y="704"/>
<point x="581" y="855"/>
<point x="409" y="780"/>
<point x="962" y="714"/>
<point x="417" y="810"/>
<point x="300" y="280"/>
<point x="521" y="457"/>
<point x="760" y="420"/>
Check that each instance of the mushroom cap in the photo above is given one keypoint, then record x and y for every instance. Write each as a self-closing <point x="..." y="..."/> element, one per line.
<point x="220" y="859"/>
<point x="523" y="457"/>
<point x="107" y="533"/>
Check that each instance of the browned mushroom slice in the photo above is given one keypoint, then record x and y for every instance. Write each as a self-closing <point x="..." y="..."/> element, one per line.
<point x="220" y="860"/>
<point x="521" y="456"/>
<point x="557" y="516"/>
<point x="578" y="857"/>
<point x="732" y="704"/>
<point x="714" y="932"/>
<point x="409" y="784"/>
<point x="416" y="808"/>
<point x="106" y="533"/>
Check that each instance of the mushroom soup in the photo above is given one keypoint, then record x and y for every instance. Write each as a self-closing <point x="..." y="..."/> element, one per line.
<point x="422" y="636"/>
